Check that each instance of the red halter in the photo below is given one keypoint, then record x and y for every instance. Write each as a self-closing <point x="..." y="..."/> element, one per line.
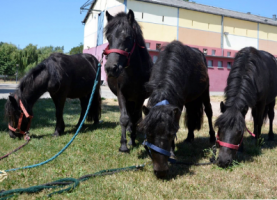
<point x="232" y="146"/>
<point x="107" y="51"/>
<point x="24" y="111"/>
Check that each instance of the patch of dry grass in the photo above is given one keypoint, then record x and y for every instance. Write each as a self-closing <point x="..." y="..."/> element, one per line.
<point x="96" y="148"/>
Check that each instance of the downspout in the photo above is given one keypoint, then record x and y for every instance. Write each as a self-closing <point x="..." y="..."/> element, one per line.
<point x="258" y="28"/>
<point x="222" y="29"/>
<point x="178" y="24"/>
<point x="125" y="3"/>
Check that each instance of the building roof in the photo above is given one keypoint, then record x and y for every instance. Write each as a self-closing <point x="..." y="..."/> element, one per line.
<point x="204" y="8"/>
<point x="213" y="10"/>
<point x="89" y="11"/>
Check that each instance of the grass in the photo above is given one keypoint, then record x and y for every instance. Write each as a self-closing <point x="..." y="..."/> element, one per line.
<point x="96" y="148"/>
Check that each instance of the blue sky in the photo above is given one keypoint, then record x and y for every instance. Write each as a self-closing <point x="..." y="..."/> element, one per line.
<point x="58" y="22"/>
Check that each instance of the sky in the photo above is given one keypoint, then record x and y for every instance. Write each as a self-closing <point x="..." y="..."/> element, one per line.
<point x="58" y="22"/>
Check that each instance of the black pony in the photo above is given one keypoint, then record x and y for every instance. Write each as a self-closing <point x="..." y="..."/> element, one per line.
<point x="180" y="77"/>
<point x="128" y="68"/>
<point x="63" y="77"/>
<point x="251" y="83"/>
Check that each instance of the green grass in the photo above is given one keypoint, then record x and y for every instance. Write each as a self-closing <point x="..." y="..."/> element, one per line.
<point x="96" y="148"/>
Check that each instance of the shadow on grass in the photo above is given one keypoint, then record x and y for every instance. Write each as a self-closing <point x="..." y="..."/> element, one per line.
<point x="44" y="116"/>
<point x="251" y="150"/>
<point x="185" y="152"/>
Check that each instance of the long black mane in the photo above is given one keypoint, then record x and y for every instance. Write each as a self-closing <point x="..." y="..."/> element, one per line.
<point x="241" y="91"/>
<point x="166" y="82"/>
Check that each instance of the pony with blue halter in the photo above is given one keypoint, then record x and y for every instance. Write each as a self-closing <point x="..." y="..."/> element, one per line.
<point x="179" y="78"/>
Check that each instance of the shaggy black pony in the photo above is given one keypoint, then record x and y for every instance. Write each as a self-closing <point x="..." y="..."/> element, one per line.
<point x="251" y="83"/>
<point x="63" y="77"/>
<point x="128" y="68"/>
<point x="179" y="76"/>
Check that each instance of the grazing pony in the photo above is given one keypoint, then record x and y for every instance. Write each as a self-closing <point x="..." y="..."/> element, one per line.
<point x="128" y="68"/>
<point x="179" y="77"/>
<point x="63" y="76"/>
<point x="251" y="83"/>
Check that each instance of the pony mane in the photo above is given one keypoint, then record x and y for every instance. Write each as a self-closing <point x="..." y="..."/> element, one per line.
<point x="169" y="72"/>
<point x="241" y="90"/>
<point x="241" y="87"/>
<point x="120" y="20"/>
<point x="159" y="115"/>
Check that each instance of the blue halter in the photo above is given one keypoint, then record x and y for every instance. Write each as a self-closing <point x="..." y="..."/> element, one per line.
<point x="154" y="147"/>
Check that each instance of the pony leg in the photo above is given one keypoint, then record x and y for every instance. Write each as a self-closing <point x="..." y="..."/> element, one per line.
<point x="124" y="121"/>
<point x="172" y="148"/>
<point x="135" y="117"/>
<point x="258" y="114"/>
<point x="59" y="104"/>
<point x="193" y="117"/>
<point x="209" y="113"/>
<point x="271" y="117"/>
<point x="84" y="103"/>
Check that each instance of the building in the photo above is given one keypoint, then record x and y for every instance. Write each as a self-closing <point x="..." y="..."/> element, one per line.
<point x="218" y="32"/>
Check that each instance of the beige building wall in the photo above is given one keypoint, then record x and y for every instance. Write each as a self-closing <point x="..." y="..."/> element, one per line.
<point x="198" y="20"/>
<point x="201" y="38"/>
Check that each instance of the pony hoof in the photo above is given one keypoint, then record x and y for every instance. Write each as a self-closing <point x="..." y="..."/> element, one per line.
<point x="212" y="140"/>
<point x="124" y="150"/>
<point x="130" y="143"/>
<point x="189" y="140"/>
<point x="271" y="138"/>
<point x="56" y="135"/>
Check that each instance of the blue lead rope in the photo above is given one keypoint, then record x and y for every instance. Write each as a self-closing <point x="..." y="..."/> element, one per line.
<point x="77" y="132"/>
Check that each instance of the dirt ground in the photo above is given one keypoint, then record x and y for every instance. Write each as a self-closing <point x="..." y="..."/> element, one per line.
<point x="215" y="101"/>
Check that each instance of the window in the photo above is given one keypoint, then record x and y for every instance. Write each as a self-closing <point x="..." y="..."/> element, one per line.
<point x="205" y="51"/>
<point x="141" y="15"/>
<point x="228" y="54"/>
<point x="219" y="64"/>
<point x="163" y="18"/>
<point x="213" y="52"/>
<point x="210" y="63"/>
<point x="155" y="59"/>
<point x="147" y="44"/>
<point x="229" y="65"/>
<point x="158" y="46"/>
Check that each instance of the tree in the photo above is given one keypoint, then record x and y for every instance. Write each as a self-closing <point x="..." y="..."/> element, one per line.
<point x="76" y="50"/>
<point x="7" y="61"/>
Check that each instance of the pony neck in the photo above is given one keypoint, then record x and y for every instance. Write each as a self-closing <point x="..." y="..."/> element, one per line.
<point x="30" y="94"/>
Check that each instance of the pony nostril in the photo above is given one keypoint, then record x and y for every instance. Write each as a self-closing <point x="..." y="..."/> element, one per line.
<point x="115" y="69"/>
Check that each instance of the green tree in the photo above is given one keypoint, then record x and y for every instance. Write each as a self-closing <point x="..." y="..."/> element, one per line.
<point x="38" y="55"/>
<point x="76" y="50"/>
<point x="7" y="59"/>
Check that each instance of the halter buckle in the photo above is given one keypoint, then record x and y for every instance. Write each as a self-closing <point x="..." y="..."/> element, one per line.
<point x="27" y="136"/>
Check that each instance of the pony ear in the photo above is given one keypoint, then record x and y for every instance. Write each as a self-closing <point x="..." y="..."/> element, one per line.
<point x="222" y="107"/>
<point x="109" y="16"/>
<point x="145" y="110"/>
<point x="131" y="17"/>
<point x="176" y="113"/>
<point x="13" y="100"/>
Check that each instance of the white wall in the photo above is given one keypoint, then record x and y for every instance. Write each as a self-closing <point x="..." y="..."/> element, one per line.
<point x="235" y="42"/>
<point x="153" y="13"/>
<point x="90" y="29"/>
